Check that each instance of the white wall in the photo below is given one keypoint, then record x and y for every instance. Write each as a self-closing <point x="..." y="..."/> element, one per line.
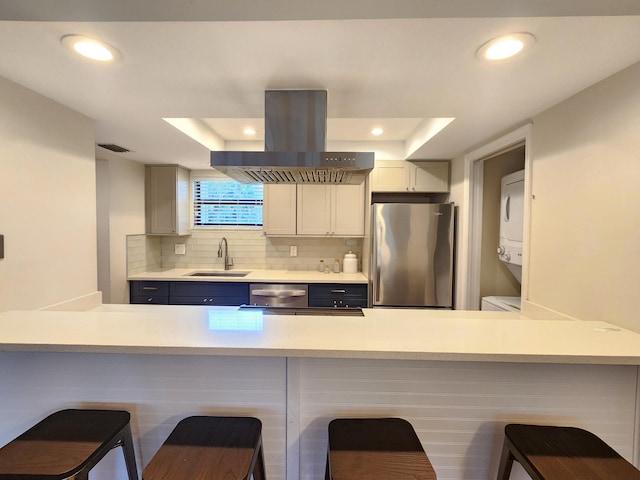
<point x="121" y="213"/>
<point x="585" y="218"/>
<point x="47" y="201"/>
<point x="584" y="254"/>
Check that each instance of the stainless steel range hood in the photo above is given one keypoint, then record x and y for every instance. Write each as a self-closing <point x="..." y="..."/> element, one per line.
<point x="295" y="143"/>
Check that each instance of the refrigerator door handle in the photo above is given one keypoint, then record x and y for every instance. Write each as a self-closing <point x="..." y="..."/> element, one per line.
<point x="377" y="285"/>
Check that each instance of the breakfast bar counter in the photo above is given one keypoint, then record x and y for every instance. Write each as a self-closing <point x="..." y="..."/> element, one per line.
<point x="458" y="377"/>
<point x="451" y="335"/>
<point x="380" y="333"/>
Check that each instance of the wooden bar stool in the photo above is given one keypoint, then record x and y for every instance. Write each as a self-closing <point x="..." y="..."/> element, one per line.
<point x="561" y="453"/>
<point x="68" y="444"/>
<point x="211" y="448"/>
<point x="375" y="449"/>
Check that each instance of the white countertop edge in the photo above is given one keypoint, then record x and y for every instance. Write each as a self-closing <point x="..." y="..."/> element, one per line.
<point x="333" y="354"/>
<point x="254" y="275"/>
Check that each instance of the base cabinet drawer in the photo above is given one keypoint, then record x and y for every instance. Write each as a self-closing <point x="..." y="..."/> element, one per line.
<point x="143" y="288"/>
<point x="148" y="292"/>
<point x="338" y="295"/>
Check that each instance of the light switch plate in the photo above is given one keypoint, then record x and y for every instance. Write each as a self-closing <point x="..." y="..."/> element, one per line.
<point x="293" y="251"/>
<point x="181" y="249"/>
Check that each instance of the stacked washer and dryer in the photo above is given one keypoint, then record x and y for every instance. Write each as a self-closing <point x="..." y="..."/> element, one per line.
<point x="511" y="231"/>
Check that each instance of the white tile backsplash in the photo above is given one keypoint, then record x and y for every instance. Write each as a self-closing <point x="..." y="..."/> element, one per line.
<point x="249" y="248"/>
<point x="144" y="253"/>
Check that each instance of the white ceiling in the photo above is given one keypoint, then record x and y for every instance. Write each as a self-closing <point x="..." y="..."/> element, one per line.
<point x="383" y="63"/>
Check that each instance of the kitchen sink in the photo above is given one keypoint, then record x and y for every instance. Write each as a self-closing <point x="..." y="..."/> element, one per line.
<point x="219" y="274"/>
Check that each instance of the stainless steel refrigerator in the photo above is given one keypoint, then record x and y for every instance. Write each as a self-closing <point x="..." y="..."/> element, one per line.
<point x="412" y="255"/>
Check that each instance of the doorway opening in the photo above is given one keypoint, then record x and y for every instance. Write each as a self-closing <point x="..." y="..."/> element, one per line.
<point x="499" y="284"/>
<point x="482" y="273"/>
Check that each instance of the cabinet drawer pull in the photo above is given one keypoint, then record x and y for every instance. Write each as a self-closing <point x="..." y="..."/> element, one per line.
<point x="153" y="289"/>
<point x="338" y="291"/>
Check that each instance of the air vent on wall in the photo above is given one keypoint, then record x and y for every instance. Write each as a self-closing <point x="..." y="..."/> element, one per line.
<point x="114" y="148"/>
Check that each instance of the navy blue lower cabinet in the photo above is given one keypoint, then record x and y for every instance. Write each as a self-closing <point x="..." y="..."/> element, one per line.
<point x="219" y="300"/>
<point x="188" y="293"/>
<point x="338" y="295"/>
<point x="148" y="292"/>
<point x="208" y="293"/>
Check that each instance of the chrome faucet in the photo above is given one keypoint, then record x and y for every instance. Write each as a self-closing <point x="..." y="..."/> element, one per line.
<point x="228" y="262"/>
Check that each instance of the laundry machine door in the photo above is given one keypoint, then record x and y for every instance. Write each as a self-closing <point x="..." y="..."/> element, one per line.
<point x="512" y="206"/>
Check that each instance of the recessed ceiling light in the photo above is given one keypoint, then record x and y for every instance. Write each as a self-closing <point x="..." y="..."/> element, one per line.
<point x="506" y="46"/>
<point x="249" y="131"/>
<point x="90" y="48"/>
<point x="377" y="131"/>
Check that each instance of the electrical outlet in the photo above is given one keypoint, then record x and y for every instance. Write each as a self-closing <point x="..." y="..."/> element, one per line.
<point x="293" y="251"/>
<point x="181" y="249"/>
<point x="350" y="242"/>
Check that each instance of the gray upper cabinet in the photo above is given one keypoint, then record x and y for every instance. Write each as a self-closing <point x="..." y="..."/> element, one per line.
<point x="314" y="210"/>
<point x="415" y="176"/>
<point x="331" y="210"/>
<point x="167" y="200"/>
<point x="279" y="209"/>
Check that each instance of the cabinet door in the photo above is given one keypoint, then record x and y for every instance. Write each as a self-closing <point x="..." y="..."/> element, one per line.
<point x="337" y="295"/>
<point x="390" y="176"/>
<point x="314" y="210"/>
<point x="208" y="293"/>
<point x="167" y="200"/>
<point x="430" y="177"/>
<point x="348" y="210"/>
<point x="279" y="209"/>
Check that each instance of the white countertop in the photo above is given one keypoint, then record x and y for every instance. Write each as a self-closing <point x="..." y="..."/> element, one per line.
<point x="261" y="276"/>
<point x="381" y="333"/>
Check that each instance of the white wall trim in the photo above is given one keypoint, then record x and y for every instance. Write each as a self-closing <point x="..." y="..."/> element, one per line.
<point x="471" y="235"/>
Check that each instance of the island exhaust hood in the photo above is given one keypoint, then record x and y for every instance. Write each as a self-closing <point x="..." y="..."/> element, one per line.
<point x="295" y="144"/>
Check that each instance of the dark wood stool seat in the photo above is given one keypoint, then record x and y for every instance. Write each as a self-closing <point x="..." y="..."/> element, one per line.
<point x="67" y="444"/>
<point x="212" y="448"/>
<point x="375" y="449"/>
<point x="562" y="453"/>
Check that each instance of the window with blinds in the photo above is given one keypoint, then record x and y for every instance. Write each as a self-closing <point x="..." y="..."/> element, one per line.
<point x="230" y="203"/>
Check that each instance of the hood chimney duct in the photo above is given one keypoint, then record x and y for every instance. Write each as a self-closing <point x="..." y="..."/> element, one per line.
<point x="295" y="146"/>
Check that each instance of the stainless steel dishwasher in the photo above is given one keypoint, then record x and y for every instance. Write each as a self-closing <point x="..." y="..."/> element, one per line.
<point x="279" y="295"/>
